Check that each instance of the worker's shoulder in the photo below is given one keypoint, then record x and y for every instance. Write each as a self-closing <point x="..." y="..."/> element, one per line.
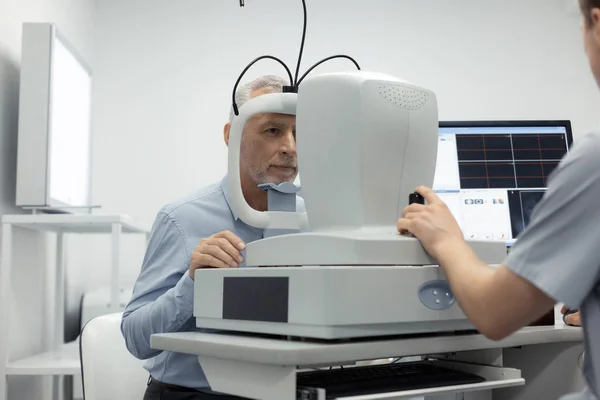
<point x="204" y="200"/>
<point x="580" y="168"/>
<point x="589" y="139"/>
<point x="585" y="152"/>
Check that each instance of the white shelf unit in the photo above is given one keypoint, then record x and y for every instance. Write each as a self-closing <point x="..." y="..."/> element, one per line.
<point x="60" y="359"/>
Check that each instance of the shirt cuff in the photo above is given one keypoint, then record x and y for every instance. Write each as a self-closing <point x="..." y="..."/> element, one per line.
<point x="184" y="298"/>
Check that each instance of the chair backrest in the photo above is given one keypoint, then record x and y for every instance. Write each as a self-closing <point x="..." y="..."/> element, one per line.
<point x="108" y="370"/>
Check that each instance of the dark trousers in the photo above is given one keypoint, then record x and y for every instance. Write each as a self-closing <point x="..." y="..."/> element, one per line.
<point x="159" y="391"/>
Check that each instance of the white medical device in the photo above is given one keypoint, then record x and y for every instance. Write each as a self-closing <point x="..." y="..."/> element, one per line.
<point x="365" y="141"/>
<point x="338" y="276"/>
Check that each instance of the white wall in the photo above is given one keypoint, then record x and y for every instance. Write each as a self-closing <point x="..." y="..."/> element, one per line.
<point x="165" y="71"/>
<point x="74" y="18"/>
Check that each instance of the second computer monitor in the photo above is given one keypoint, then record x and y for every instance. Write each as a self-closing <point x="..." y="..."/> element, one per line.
<point x="491" y="174"/>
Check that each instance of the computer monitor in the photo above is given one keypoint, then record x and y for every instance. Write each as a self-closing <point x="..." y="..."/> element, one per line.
<point x="54" y="152"/>
<point x="491" y="174"/>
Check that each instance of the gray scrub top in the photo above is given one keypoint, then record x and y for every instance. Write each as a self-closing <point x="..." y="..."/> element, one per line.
<point x="559" y="251"/>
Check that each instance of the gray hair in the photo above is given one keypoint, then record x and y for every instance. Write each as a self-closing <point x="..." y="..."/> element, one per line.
<point x="242" y="95"/>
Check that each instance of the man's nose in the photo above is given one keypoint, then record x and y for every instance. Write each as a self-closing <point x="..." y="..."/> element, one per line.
<point x="288" y="143"/>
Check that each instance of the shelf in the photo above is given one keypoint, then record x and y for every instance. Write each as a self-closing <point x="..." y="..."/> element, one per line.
<point x="64" y="361"/>
<point x="74" y="223"/>
<point x="256" y="349"/>
<point x="495" y="378"/>
<point x="438" y="391"/>
<point x="259" y="380"/>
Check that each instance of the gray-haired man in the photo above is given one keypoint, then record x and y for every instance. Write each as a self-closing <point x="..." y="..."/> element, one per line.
<point x="201" y="231"/>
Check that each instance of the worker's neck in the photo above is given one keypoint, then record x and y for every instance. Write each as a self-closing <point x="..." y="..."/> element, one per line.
<point x="255" y="196"/>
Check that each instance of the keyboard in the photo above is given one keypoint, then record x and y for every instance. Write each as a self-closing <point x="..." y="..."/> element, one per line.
<point x="385" y="378"/>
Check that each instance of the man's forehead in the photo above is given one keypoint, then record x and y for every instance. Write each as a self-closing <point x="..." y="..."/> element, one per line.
<point x="275" y="117"/>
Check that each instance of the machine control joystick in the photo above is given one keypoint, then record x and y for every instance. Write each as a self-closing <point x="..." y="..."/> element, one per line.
<point x="415" y="198"/>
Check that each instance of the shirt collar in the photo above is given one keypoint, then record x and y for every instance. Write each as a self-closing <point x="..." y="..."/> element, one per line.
<point x="225" y="188"/>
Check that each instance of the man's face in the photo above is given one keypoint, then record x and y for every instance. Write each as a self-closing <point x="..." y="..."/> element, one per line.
<point x="268" y="152"/>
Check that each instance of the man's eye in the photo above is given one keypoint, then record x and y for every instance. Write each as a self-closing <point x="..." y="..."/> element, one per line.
<point x="273" y="131"/>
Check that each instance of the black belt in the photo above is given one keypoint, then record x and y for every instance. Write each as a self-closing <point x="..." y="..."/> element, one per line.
<point x="183" y="389"/>
<point x="173" y="388"/>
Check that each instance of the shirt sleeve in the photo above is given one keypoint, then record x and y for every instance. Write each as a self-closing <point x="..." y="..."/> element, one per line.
<point x="162" y="298"/>
<point x="559" y="250"/>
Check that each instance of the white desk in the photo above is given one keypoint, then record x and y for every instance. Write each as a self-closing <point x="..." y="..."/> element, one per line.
<point x="58" y="358"/>
<point x="264" y="368"/>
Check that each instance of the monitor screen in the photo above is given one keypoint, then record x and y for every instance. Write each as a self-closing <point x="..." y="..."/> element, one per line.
<point x="491" y="174"/>
<point x="70" y="128"/>
<point x="54" y="152"/>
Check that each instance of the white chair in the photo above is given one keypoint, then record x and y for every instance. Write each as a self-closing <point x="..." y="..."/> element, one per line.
<point x="109" y="371"/>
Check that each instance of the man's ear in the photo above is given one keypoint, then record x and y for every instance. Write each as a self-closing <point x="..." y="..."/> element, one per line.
<point x="226" y="130"/>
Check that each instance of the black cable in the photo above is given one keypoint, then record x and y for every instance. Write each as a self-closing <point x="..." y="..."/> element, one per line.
<point x="235" y="108"/>
<point x="327" y="59"/>
<point x="296" y="83"/>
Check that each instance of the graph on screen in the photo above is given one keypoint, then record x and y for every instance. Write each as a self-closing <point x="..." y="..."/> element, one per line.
<point x="508" y="160"/>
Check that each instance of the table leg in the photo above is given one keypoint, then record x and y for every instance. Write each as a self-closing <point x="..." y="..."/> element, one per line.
<point x="59" y="311"/>
<point x="246" y="379"/>
<point x="550" y="370"/>
<point x="5" y="280"/>
<point x="116" y="256"/>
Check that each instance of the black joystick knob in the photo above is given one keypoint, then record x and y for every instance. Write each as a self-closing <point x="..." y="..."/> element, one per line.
<point x="415" y="198"/>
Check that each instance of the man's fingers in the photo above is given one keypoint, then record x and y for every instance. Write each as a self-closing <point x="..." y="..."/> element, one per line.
<point x="573" y="319"/>
<point x="564" y="309"/>
<point x="209" y="260"/>
<point x="226" y="245"/>
<point x="428" y="194"/>
<point x="411" y="215"/>
<point x="413" y="208"/>
<point x="220" y="254"/>
<point x="403" y="225"/>
<point x="233" y="239"/>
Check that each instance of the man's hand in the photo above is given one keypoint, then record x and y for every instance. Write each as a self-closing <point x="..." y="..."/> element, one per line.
<point x="433" y="224"/>
<point x="221" y="250"/>
<point x="571" y="319"/>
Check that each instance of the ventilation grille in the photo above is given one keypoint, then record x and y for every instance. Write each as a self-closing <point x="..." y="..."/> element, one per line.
<point x="403" y="97"/>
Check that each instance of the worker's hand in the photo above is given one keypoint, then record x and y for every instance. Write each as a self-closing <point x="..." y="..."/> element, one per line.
<point x="221" y="250"/>
<point x="432" y="223"/>
<point x="571" y="319"/>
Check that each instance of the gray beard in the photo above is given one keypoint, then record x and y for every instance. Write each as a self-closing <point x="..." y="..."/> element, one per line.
<point x="262" y="178"/>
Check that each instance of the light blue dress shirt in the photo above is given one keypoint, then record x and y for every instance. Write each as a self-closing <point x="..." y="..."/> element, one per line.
<point x="162" y="300"/>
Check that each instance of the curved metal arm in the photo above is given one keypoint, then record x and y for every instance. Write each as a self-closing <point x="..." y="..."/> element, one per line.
<point x="325" y="60"/>
<point x="233" y="102"/>
<point x="283" y="103"/>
